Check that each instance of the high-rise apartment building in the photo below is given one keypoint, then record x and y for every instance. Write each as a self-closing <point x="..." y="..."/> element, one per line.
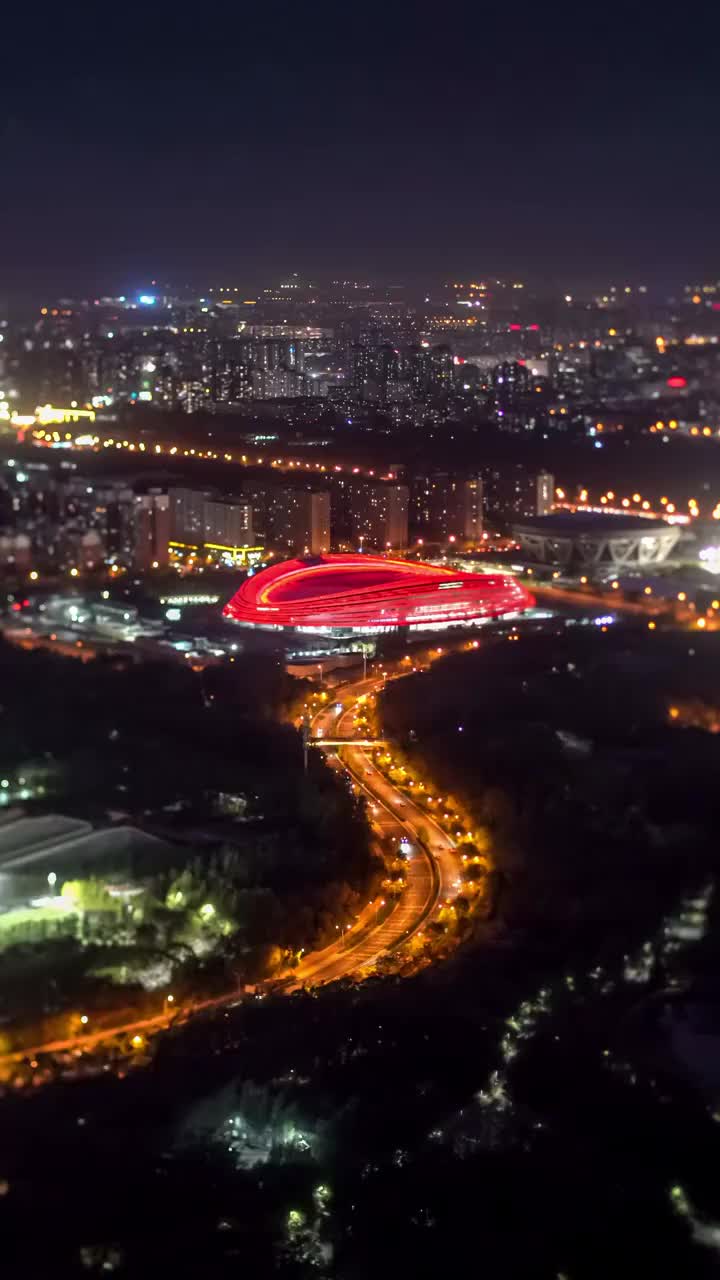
<point x="378" y="514"/>
<point x="228" y="524"/>
<point x="545" y="493"/>
<point x="511" y="399"/>
<point x="229" y="376"/>
<point x="115" y="505"/>
<point x="472" y="500"/>
<point x="299" y="520"/>
<point x="245" y="367"/>
<point x="187" y="514"/>
<point x="197" y="517"/>
<point x="278" y="384"/>
<point x="375" y="371"/>
<point x="513" y="490"/>
<point x="152" y="530"/>
<point x="429" y="371"/>
<point x="445" y="505"/>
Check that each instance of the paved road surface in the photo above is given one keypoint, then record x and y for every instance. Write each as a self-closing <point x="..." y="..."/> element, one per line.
<point x="392" y="815"/>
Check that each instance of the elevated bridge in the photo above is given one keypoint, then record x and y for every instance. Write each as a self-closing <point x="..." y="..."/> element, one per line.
<point x="347" y="742"/>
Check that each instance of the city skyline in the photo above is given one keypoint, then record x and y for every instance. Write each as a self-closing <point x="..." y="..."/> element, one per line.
<point x="359" y="640"/>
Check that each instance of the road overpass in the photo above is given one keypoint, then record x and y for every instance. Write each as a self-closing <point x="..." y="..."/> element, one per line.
<point x="347" y="742"/>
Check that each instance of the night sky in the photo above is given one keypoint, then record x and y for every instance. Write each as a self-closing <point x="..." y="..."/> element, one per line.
<point x="234" y="143"/>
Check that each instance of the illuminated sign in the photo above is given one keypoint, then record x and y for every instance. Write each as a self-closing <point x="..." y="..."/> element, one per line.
<point x="240" y="555"/>
<point x="47" y="413"/>
<point x="194" y="599"/>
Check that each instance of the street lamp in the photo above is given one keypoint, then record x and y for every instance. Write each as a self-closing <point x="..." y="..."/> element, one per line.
<point x="52" y="879"/>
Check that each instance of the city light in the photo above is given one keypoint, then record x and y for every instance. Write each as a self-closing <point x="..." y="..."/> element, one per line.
<point x="273" y="510"/>
<point x="370" y="593"/>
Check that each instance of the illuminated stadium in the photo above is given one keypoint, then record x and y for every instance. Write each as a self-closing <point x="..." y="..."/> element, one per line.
<point x="352" y="595"/>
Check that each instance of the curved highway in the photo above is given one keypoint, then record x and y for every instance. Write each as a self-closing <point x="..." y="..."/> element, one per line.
<point x="432" y="871"/>
<point x="432" y="877"/>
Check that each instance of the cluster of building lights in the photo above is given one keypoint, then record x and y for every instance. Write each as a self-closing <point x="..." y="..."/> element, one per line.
<point x="607" y="501"/>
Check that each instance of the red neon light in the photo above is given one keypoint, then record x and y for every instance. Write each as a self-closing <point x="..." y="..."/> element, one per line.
<point x="677" y="382"/>
<point x="533" y="327"/>
<point x="370" y="591"/>
<point x="514" y="327"/>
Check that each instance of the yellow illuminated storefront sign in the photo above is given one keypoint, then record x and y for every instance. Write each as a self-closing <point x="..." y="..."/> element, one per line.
<point x="48" y="413"/>
<point x="241" y="555"/>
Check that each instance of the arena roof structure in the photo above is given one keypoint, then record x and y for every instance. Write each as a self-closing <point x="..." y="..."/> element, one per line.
<point x="587" y="539"/>
<point x="55" y="839"/>
<point x="370" y="594"/>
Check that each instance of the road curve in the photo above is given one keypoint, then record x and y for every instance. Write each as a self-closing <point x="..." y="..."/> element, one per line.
<point x="432" y="877"/>
<point x="432" y="874"/>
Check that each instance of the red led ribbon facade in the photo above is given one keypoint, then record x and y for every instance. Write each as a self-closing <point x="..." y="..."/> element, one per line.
<point x="371" y="592"/>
